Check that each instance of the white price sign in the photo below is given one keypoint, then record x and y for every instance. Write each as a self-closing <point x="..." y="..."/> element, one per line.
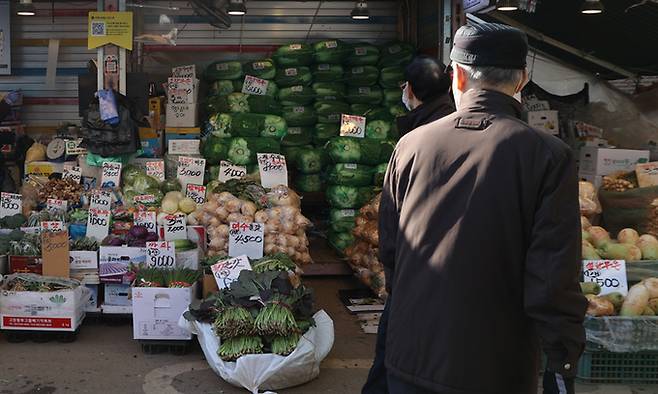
<point x="72" y="173"/>
<point x="10" y="204"/>
<point x="196" y="193"/>
<point x="53" y="204"/>
<point x="273" y="169"/>
<point x="180" y="91"/>
<point x="174" y="227"/>
<point x="146" y="219"/>
<point x="100" y="199"/>
<point x="609" y="274"/>
<point x="255" y="86"/>
<point x="228" y="271"/>
<point x="228" y="171"/>
<point x="156" y="169"/>
<point x="72" y="147"/>
<point x="144" y="199"/>
<point x="184" y="71"/>
<point x="98" y="223"/>
<point x="190" y="170"/>
<point x="111" y="175"/>
<point x="52" y="225"/>
<point x="161" y="254"/>
<point x="246" y="239"/>
<point x="352" y="126"/>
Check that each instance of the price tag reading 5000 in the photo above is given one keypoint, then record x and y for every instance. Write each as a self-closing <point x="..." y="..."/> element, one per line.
<point x="162" y="254"/>
<point x="246" y="239"/>
<point x="273" y="169"/>
<point x="190" y="170"/>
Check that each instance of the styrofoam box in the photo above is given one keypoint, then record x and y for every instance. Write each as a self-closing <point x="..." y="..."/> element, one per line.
<point x="182" y="115"/>
<point x="82" y="259"/>
<point x="92" y="305"/>
<point x="605" y="161"/>
<point x="116" y="294"/>
<point x="114" y="261"/>
<point x="156" y="311"/>
<point x="546" y="121"/>
<point x="43" y="311"/>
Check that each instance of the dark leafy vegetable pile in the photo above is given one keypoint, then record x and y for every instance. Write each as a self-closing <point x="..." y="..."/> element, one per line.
<point x="265" y="311"/>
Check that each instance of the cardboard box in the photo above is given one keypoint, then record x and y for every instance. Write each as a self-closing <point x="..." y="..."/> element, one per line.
<point x="181" y="133"/>
<point x="117" y="294"/>
<point x="152" y="142"/>
<point x="92" y="305"/>
<point x="156" y="311"/>
<point x="605" y="161"/>
<point x="114" y="262"/>
<point x="182" y="115"/>
<point x="83" y="260"/>
<point x="43" y="311"/>
<point x="157" y="112"/>
<point x="209" y="285"/>
<point x="596" y="180"/>
<point x="546" y="121"/>
<point x="32" y="264"/>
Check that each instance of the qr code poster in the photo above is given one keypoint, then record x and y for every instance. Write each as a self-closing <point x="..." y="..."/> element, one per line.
<point x="110" y="28"/>
<point x="98" y="29"/>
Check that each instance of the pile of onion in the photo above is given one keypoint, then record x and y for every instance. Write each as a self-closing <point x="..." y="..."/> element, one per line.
<point x="285" y="226"/>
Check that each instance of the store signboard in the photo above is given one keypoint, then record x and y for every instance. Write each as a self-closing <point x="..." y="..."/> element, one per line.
<point x="5" y="38"/>
<point x="609" y="274"/>
<point x="110" y="28"/>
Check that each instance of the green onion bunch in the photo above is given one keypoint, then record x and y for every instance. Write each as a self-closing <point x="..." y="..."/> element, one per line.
<point x="233" y="321"/>
<point x="284" y="345"/>
<point x="233" y="348"/>
<point x="276" y="319"/>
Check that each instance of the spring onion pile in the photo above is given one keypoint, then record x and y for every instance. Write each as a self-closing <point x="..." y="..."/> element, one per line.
<point x="157" y="277"/>
<point x="266" y="310"/>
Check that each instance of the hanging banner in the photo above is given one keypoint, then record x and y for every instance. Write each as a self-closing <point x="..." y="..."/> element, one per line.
<point x="110" y="28"/>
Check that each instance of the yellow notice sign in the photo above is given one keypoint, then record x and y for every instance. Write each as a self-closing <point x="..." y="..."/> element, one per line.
<point x="110" y="28"/>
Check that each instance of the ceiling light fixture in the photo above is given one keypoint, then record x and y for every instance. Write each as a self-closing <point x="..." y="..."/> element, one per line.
<point x="25" y="8"/>
<point x="507" y="5"/>
<point x="236" y="7"/>
<point x="360" y="11"/>
<point x="592" y="7"/>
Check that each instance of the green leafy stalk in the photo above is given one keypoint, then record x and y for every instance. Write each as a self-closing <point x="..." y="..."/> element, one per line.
<point x="285" y="345"/>
<point x="277" y="262"/>
<point x="233" y="321"/>
<point x="276" y="319"/>
<point x="233" y="348"/>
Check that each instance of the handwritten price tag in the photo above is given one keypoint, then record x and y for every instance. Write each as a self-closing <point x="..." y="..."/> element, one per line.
<point x="255" y="86"/>
<point x="53" y="204"/>
<point x="246" y="239"/>
<point x="184" y="71"/>
<point x="609" y="274"/>
<point x="145" y="219"/>
<point x="273" y="170"/>
<point x="228" y="271"/>
<point x="10" y="204"/>
<point x="190" y="170"/>
<point x="52" y="225"/>
<point x="111" y="175"/>
<point x="180" y="91"/>
<point x="98" y="223"/>
<point x="73" y="173"/>
<point x="196" y="193"/>
<point x="156" y="169"/>
<point x="161" y="254"/>
<point x="174" y="227"/>
<point x="352" y="126"/>
<point x="144" y="199"/>
<point x="228" y="171"/>
<point x="100" y="199"/>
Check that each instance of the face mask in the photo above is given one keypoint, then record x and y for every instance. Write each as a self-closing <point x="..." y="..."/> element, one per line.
<point x="405" y="97"/>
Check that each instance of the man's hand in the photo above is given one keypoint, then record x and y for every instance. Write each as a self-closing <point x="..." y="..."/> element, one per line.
<point x="554" y="383"/>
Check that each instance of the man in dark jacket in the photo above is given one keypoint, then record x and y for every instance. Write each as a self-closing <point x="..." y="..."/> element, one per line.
<point x="426" y="93"/>
<point x="479" y="225"/>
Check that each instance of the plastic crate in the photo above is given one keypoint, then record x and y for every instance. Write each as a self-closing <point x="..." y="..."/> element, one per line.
<point x="608" y="367"/>
<point x="621" y="334"/>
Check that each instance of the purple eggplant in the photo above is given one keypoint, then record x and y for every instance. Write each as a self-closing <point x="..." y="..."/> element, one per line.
<point x="138" y="232"/>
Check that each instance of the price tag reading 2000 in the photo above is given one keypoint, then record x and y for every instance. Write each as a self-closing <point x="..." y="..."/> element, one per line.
<point x="161" y="254"/>
<point x="246" y="239"/>
<point x="273" y="170"/>
<point x="174" y="227"/>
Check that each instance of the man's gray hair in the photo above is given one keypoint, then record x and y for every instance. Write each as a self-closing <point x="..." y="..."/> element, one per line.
<point x="492" y="77"/>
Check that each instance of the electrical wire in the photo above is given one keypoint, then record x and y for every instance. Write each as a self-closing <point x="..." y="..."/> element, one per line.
<point x="317" y="10"/>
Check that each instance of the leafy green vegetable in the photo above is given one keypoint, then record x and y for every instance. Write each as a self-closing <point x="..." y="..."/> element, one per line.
<point x="219" y="125"/>
<point x="294" y="55"/>
<point x="340" y="241"/>
<point x="327" y="72"/>
<point x="293" y="76"/>
<point x="300" y="116"/>
<point x="296" y="95"/>
<point x="378" y="129"/>
<point x="364" y="95"/>
<point x="242" y="151"/>
<point x="309" y="161"/>
<point x="274" y="126"/>
<point x="371" y="112"/>
<point x="233" y="103"/>
<point x="297" y="136"/>
<point x="350" y="175"/>
<point x="264" y="105"/>
<point x="396" y="54"/>
<point x="247" y="125"/>
<point x="363" y="54"/>
<point x="292" y="152"/>
<point x="13" y="222"/>
<point x="324" y="132"/>
<point x="342" y="220"/>
<point x="392" y="96"/>
<point x="311" y="183"/>
<point x="129" y="173"/>
<point x="224" y="70"/>
<point x="380" y="172"/>
<point x="325" y="91"/>
<point x="330" y="111"/>
<point x="263" y="69"/>
<point x="346" y="197"/>
<point x="221" y="88"/>
<point x="392" y="77"/>
<point x="170" y="185"/>
<point x="362" y="76"/>
<point x="397" y="110"/>
<point x="330" y="51"/>
<point x="214" y="149"/>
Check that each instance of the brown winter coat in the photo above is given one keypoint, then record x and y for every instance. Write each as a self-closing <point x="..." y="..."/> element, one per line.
<point x="479" y="223"/>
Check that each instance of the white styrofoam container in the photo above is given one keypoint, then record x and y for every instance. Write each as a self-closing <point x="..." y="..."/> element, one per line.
<point x="116" y="294"/>
<point x="83" y="259"/>
<point x="605" y="161"/>
<point x="43" y="311"/>
<point x="156" y="311"/>
<point x="546" y="121"/>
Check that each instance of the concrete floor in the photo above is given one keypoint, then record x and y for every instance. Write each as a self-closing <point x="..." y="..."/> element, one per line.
<point x="105" y="359"/>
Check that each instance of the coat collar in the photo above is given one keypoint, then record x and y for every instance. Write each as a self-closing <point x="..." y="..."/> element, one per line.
<point x="490" y="101"/>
